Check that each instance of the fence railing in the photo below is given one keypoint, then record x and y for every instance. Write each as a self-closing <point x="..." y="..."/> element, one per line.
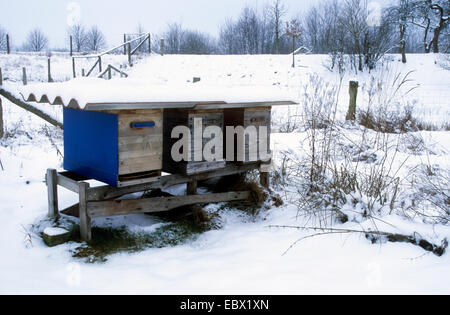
<point x="146" y="38"/>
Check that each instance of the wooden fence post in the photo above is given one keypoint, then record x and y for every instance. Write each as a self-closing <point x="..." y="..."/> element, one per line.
<point x="353" y="90"/>
<point x="124" y="46"/>
<point x="109" y="73"/>
<point x="73" y="68"/>
<point x="82" y="72"/>
<point x="24" y="76"/>
<point x="1" y="77"/>
<point x="1" y="119"/>
<point x="149" y="43"/>
<point x="264" y="179"/>
<point x="8" y="49"/>
<point x="52" y="192"/>
<point x="85" y="220"/>
<point x="162" y="47"/>
<point x="99" y="64"/>
<point x="71" y="45"/>
<point x="129" y="54"/>
<point x="49" y="71"/>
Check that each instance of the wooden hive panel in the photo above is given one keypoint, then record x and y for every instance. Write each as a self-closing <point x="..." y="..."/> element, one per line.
<point x="246" y="117"/>
<point x="180" y="117"/>
<point x="140" y="149"/>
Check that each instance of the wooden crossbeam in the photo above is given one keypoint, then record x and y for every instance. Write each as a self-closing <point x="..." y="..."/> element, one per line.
<point x="107" y="192"/>
<point x="159" y="204"/>
<point x="140" y="44"/>
<point x="93" y="67"/>
<point x="108" y="70"/>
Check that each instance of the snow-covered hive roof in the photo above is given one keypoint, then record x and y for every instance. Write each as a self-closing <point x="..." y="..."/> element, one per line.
<point x="117" y="94"/>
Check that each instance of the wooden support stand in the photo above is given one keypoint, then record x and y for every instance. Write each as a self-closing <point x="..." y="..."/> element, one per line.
<point x="264" y="175"/>
<point x="52" y="192"/>
<point x="101" y="201"/>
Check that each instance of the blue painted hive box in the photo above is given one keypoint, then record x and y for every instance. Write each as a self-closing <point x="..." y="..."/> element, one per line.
<point x="120" y="148"/>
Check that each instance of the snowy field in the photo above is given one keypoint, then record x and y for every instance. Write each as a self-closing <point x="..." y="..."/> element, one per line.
<point x="246" y="254"/>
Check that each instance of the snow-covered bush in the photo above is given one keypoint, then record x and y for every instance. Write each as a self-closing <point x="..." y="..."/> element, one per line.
<point x="431" y="193"/>
<point x="340" y="176"/>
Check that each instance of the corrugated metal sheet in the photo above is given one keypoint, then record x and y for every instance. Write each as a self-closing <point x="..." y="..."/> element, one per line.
<point x="101" y="95"/>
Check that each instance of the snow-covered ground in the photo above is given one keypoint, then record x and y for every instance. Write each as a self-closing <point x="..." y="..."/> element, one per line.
<point x="244" y="255"/>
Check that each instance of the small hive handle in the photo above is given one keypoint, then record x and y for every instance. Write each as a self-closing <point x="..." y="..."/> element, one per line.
<point x="143" y="124"/>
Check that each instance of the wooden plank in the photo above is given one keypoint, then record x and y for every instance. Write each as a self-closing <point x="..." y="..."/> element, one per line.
<point x="85" y="219"/>
<point x="139" y="164"/>
<point x="140" y="139"/>
<point x="200" y="167"/>
<point x="68" y="183"/>
<point x="107" y="192"/>
<point x="122" y="74"/>
<point x="52" y="192"/>
<point x="151" y="152"/>
<point x="92" y="69"/>
<point x="141" y="143"/>
<point x="133" y="182"/>
<point x="73" y="211"/>
<point x="122" y="207"/>
<point x="125" y="121"/>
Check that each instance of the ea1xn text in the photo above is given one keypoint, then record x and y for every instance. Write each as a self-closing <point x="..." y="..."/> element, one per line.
<point x="226" y="305"/>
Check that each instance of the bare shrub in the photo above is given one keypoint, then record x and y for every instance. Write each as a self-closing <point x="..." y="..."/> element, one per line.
<point x="292" y="121"/>
<point x="339" y="178"/>
<point x="431" y="194"/>
<point x="95" y="40"/>
<point x="386" y="111"/>
<point x="36" y="41"/>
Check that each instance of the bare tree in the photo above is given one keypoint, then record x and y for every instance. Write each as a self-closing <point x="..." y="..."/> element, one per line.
<point x="2" y="38"/>
<point x="266" y="32"/>
<point x="79" y="36"/>
<point x="194" y="42"/>
<point x="140" y="31"/>
<point x="293" y="30"/>
<point x="95" y="39"/>
<point x="377" y="41"/>
<point x="323" y="32"/>
<point x="36" y="40"/>
<point x="433" y="17"/>
<point x="401" y="14"/>
<point x="278" y="11"/>
<point x="227" y="38"/>
<point x="247" y="31"/>
<point x="173" y="38"/>
<point x="353" y="19"/>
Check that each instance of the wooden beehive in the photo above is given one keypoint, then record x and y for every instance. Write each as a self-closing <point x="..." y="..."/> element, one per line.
<point x="245" y="117"/>
<point x="120" y="132"/>
<point x="116" y="147"/>
<point x="185" y="117"/>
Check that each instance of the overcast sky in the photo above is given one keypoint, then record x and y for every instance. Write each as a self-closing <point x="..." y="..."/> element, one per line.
<point x="115" y="17"/>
